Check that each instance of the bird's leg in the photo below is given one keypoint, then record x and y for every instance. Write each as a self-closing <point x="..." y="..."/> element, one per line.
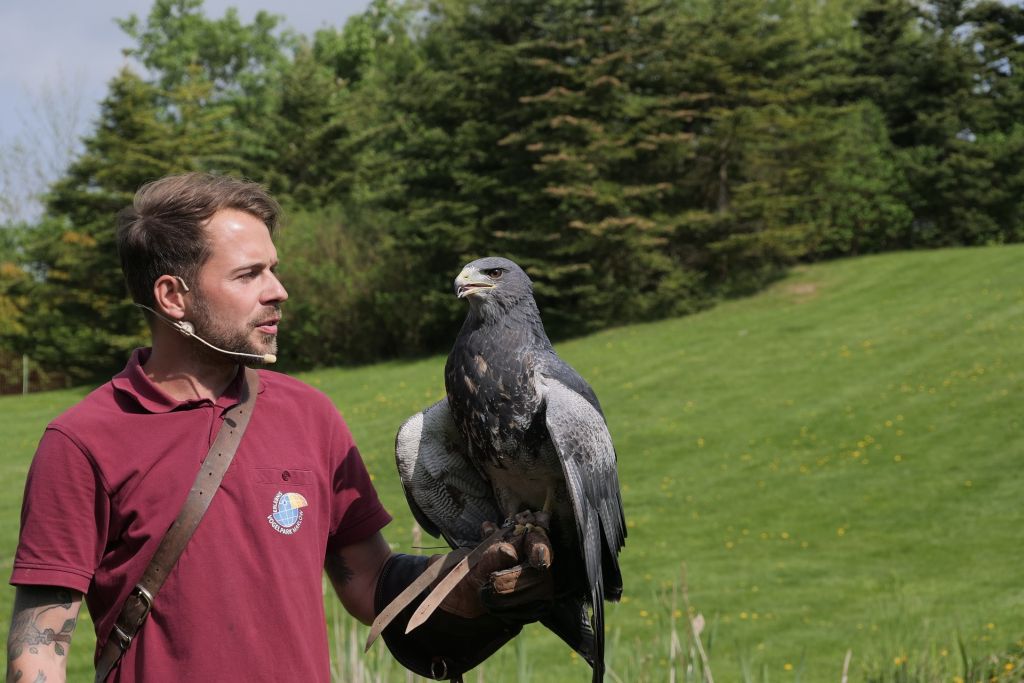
<point x="549" y="499"/>
<point x="543" y="517"/>
<point x="509" y="503"/>
<point x="537" y="544"/>
<point x="530" y="518"/>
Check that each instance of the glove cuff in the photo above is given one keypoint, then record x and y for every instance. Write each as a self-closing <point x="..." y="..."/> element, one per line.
<point x="446" y="645"/>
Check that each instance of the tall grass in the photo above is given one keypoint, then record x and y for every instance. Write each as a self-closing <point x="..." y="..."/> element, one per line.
<point x="682" y="653"/>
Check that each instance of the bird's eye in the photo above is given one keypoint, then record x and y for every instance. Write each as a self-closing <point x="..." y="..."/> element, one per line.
<point x="494" y="273"/>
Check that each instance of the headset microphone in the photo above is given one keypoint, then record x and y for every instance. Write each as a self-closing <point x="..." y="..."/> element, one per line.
<point x="188" y="330"/>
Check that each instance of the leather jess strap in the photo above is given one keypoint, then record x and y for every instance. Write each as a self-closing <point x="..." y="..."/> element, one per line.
<point x="140" y="601"/>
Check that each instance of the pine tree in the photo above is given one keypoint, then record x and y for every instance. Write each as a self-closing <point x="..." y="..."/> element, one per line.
<point x="772" y="91"/>
<point x="553" y="133"/>
<point x="592" y="141"/>
<point x="303" y="132"/>
<point x="80" y="318"/>
<point x="946" y="74"/>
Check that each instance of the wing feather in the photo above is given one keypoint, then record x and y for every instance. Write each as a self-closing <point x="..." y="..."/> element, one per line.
<point x="580" y="436"/>
<point x="446" y="493"/>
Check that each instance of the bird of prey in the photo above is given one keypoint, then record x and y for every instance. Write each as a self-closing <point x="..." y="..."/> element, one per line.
<point x="520" y="430"/>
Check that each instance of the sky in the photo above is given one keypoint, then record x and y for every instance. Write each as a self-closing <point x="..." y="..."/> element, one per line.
<point x="71" y="48"/>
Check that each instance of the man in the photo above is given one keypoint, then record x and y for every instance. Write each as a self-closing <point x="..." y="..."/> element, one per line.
<point x="244" y="601"/>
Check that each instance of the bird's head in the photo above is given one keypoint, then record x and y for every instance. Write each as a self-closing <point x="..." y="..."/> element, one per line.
<point x="493" y="281"/>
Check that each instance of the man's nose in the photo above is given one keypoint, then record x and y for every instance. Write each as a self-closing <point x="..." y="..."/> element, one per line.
<point x="275" y="293"/>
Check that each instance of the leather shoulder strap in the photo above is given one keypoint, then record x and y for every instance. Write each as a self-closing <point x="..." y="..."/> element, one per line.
<point x="140" y="601"/>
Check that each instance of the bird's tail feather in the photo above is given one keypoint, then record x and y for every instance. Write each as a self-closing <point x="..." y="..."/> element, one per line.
<point x="569" y="621"/>
<point x="597" y="594"/>
<point x="592" y="557"/>
<point x="611" y="575"/>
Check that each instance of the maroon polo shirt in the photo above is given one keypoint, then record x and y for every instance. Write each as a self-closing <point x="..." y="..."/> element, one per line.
<point x="245" y="600"/>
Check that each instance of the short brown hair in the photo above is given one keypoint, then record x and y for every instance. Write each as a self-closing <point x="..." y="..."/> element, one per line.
<point x="161" y="233"/>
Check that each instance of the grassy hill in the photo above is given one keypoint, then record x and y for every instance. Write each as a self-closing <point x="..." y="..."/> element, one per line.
<point x="835" y="461"/>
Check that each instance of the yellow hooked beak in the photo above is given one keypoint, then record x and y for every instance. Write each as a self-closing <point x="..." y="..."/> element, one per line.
<point x="470" y="281"/>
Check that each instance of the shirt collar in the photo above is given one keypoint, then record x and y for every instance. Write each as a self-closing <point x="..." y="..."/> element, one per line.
<point x="136" y="384"/>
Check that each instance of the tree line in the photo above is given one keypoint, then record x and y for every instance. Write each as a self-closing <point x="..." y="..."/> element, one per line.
<point x="640" y="158"/>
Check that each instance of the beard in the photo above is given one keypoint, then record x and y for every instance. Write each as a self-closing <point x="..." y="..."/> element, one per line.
<point x="233" y="339"/>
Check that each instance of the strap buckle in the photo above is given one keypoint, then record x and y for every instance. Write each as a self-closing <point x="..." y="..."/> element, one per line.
<point x="124" y="641"/>
<point x="145" y="598"/>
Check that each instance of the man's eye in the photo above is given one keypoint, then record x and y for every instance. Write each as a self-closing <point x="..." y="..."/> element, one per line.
<point x="494" y="273"/>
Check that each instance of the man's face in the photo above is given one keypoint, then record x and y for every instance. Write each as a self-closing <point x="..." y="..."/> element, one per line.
<point x="236" y="304"/>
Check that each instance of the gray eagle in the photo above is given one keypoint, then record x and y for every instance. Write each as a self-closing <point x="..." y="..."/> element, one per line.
<point x="520" y="430"/>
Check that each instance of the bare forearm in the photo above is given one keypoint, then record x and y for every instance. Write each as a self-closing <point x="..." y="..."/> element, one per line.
<point x="30" y="669"/>
<point x="42" y="624"/>
<point x="353" y="571"/>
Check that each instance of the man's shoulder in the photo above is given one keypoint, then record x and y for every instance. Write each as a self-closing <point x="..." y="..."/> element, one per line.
<point x="98" y="404"/>
<point x="291" y="402"/>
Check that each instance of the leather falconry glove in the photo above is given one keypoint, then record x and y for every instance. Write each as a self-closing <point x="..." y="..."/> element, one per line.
<point x="512" y="580"/>
<point x="511" y="585"/>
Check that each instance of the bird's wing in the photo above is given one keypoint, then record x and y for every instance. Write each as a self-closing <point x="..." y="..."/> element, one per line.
<point x="580" y="435"/>
<point x="552" y="366"/>
<point x="446" y="493"/>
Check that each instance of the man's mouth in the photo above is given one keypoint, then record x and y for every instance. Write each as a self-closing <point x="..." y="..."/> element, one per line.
<point x="268" y="326"/>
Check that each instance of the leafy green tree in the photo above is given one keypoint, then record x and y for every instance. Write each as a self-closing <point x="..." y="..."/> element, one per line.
<point x="858" y="204"/>
<point x="240" y="65"/>
<point x="329" y="258"/>
<point x="239" y="60"/>
<point x="12" y="281"/>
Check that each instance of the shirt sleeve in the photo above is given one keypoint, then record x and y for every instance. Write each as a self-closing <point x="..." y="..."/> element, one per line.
<point x="65" y="515"/>
<point x="357" y="512"/>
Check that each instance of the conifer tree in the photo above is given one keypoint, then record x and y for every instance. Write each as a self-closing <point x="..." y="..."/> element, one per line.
<point x="772" y="92"/>
<point x="80" y="318"/>
<point x="554" y="133"/>
<point x="606" y="127"/>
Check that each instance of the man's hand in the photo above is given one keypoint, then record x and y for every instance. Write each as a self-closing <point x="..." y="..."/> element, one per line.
<point x="512" y="580"/>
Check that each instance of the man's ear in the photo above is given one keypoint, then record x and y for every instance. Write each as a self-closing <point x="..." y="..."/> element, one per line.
<point x="169" y="293"/>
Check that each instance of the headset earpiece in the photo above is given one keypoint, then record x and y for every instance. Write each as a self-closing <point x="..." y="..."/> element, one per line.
<point x="187" y="329"/>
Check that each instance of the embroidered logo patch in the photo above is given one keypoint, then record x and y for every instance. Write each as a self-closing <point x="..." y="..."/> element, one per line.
<point x="287" y="515"/>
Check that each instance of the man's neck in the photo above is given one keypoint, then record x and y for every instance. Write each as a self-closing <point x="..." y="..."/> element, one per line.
<point x="186" y="373"/>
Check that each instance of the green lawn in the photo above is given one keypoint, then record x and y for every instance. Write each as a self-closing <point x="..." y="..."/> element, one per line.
<point x="835" y="461"/>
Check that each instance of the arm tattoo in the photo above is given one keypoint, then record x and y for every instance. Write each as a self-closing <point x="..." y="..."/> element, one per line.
<point x="337" y="569"/>
<point x="36" y="611"/>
